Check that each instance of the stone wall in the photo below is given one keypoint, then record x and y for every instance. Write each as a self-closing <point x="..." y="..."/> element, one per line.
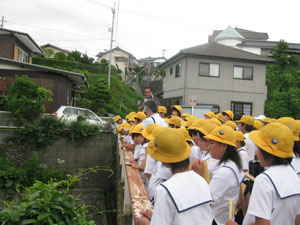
<point x="96" y="189"/>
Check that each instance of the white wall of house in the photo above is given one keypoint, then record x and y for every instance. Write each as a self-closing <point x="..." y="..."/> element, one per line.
<point x="121" y="65"/>
<point x="229" y="42"/>
<point x="255" y="50"/>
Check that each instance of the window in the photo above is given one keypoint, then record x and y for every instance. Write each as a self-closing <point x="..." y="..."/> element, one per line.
<point x="243" y="72"/>
<point x="241" y="108"/>
<point x="171" y="70"/>
<point x="164" y="73"/>
<point x="178" y="70"/>
<point x="209" y="69"/>
<point x="120" y="59"/>
<point x="22" y="56"/>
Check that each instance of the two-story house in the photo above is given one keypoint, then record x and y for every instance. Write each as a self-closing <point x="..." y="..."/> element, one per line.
<point x="121" y="59"/>
<point x="53" y="50"/>
<point x="16" y="50"/>
<point x="220" y="77"/>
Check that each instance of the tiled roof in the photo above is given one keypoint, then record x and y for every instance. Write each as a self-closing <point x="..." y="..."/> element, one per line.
<point x="229" y="32"/>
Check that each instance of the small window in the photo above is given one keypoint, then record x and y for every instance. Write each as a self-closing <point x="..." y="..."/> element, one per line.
<point x="178" y="70"/>
<point x="243" y="72"/>
<point x="241" y="108"/>
<point x="121" y="59"/>
<point x="22" y="56"/>
<point x="70" y="112"/>
<point x="164" y="73"/>
<point x="171" y="70"/>
<point x="209" y="69"/>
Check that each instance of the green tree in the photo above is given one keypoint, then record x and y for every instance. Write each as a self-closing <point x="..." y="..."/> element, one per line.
<point x="26" y="100"/>
<point x="283" y="81"/>
<point x="74" y="56"/>
<point x="48" y="52"/>
<point x="60" y="56"/>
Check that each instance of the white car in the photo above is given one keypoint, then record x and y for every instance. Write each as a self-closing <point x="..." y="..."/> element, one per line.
<point x="70" y="114"/>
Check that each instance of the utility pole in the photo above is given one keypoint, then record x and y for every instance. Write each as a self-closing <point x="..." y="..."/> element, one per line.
<point x="163" y="52"/>
<point x="2" y="22"/>
<point x="111" y="42"/>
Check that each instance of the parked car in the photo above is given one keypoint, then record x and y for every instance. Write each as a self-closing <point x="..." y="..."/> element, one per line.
<point x="70" y="114"/>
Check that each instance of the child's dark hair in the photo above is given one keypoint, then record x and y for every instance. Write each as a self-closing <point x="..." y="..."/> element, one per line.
<point x="180" y="165"/>
<point x="297" y="148"/>
<point x="138" y="120"/>
<point x="231" y="154"/>
<point x="248" y="127"/>
<point x="242" y="143"/>
<point x="192" y="133"/>
<point x="134" y="135"/>
<point x="276" y="161"/>
<point x="189" y="142"/>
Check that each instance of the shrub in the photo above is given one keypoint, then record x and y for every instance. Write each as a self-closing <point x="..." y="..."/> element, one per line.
<point x="60" y="56"/>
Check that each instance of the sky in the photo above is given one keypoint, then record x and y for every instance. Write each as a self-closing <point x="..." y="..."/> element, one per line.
<point x="146" y="27"/>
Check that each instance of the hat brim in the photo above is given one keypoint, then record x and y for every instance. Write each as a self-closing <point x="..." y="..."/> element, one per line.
<point x="145" y="133"/>
<point x="261" y="143"/>
<point x="296" y="138"/>
<point x="157" y="155"/>
<point x="218" y="139"/>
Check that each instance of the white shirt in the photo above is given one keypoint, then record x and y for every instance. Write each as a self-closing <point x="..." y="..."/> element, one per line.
<point x="244" y="158"/>
<point x="186" y="202"/>
<point x="150" y="167"/>
<point x="212" y="164"/>
<point x="265" y="201"/>
<point x="195" y="153"/>
<point x="225" y="186"/>
<point x="155" y="118"/>
<point x="250" y="147"/>
<point x="296" y="164"/>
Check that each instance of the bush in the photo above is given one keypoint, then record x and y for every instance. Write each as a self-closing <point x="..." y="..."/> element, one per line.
<point x="60" y="56"/>
<point x="26" y="100"/>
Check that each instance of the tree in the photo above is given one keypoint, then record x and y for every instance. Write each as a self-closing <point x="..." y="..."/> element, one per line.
<point x="283" y="81"/>
<point x="26" y="100"/>
<point x="48" y="52"/>
<point x="74" y="56"/>
<point x="60" y="56"/>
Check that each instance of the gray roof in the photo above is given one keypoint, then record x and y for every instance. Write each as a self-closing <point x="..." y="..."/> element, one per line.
<point x="76" y="78"/>
<point x="152" y="58"/>
<point x="229" y="32"/>
<point x="267" y="44"/>
<point x="247" y="34"/>
<point x="25" y="39"/>
<point x="100" y="54"/>
<point x="218" y="51"/>
<point x="53" y="46"/>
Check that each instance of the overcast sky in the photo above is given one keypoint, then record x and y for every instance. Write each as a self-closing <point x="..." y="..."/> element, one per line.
<point x="146" y="27"/>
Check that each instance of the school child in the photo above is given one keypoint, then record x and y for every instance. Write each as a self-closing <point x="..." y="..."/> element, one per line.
<point x="194" y="148"/>
<point x="230" y="124"/>
<point x="118" y="121"/>
<point x="294" y="126"/>
<point x="174" y="122"/>
<point x="139" y="117"/>
<point x="176" y="110"/>
<point x="240" y="144"/>
<point x="198" y="133"/>
<point x="275" y="197"/>
<point x="219" y="117"/>
<point x="131" y="121"/>
<point x="162" y="111"/>
<point x="184" y="198"/>
<point x="227" y="178"/>
<point x="185" y="116"/>
<point x="257" y="124"/>
<point x="227" y="115"/>
<point x="209" y="115"/>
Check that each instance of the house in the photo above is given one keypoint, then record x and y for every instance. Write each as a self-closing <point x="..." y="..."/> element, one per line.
<point x="16" y="50"/>
<point x="250" y="41"/>
<point x="121" y="59"/>
<point x="220" y="78"/>
<point x="18" y="46"/>
<point x="152" y="61"/>
<point x="52" y="49"/>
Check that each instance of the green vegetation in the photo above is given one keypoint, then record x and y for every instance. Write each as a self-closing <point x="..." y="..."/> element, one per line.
<point x="97" y="99"/>
<point x="283" y="81"/>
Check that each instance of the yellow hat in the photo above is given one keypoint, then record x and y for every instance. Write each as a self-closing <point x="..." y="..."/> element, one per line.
<point x="239" y="135"/>
<point x="162" y="109"/>
<point x="138" y="129"/>
<point x="273" y="120"/>
<point x="185" y="134"/>
<point x="177" y="107"/>
<point x="257" y="124"/>
<point x="223" y="134"/>
<point x="298" y="121"/>
<point x="175" y="120"/>
<point x="230" y="124"/>
<point x="219" y="117"/>
<point x="154" y="132"/>
<point x="267" y="120"/>
<point x="169" y="146"/>
<point x="123" y="126"/>
<point x="132" y="114"/>
<point x="118" y="117"/>
<point x="166" y="119"/>
<point x="207" y="127"/>
<point x="131" y="119"/>
<point x="215" y="121"/>
<point x="274" y="138"/>
<point x="196" y="124"/>
<point x="210" y="114"/>
<point x="246" y="119"/>
<point x="131" y="129"/>
<point x="292" y="124"/>
<point x="229" y="113"/>
<point x="140" y="115"/>
<point x="146" y="132"/>
<point x="127" y="117"/>
<point x="185" y="115"/>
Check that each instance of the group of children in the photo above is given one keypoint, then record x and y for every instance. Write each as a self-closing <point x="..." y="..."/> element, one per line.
<point x="196" y="171"/>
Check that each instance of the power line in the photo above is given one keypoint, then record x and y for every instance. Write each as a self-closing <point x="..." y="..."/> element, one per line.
<point x="104" y="5"/>
<point x="60" y="31"/>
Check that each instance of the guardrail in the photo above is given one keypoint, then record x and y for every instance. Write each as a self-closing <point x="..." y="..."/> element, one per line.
<point x="135" y="194"/>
